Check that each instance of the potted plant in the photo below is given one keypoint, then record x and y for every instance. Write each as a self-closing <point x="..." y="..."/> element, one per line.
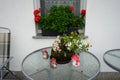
<point x="59" y="19"/>
<point x="64" y="47"/>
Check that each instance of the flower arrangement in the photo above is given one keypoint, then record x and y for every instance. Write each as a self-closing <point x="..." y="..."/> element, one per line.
<point x="70" y="43"/>
<point x="67" y="45"/>
<point x="59" y="18"/>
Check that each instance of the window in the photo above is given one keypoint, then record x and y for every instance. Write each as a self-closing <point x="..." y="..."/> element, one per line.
<point x="46" y="4"/>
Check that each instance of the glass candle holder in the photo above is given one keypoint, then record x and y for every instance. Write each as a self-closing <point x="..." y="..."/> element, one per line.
<point x="45" y="54"/>
<point x="53" y="63"/>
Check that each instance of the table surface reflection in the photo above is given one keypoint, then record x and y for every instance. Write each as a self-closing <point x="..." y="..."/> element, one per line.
<point x="35" y="67"/>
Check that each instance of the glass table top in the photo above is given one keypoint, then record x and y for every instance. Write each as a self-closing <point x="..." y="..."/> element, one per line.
<point x="112" y="58"/>
<point x="35" y="67"/>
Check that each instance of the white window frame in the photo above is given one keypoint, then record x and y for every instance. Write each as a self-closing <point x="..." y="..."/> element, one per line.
<point x="36" y="5"/>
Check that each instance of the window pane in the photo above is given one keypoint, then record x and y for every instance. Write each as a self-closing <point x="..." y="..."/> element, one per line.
<point x="46" y="4"/>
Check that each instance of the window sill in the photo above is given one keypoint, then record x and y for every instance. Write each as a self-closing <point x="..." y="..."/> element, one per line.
<point x="39" y="36"/>
<point x="43" y="37"/>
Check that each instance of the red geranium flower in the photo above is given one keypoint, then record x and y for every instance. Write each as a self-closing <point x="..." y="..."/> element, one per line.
<point x="83" y="12"/>
<point x="45" y="51"/>
<point x="36" y="11"/>
<point x="75" y="57"/>
<point x="52" y="59"/>
<point x="37" y="18"/>
<point x="71" y="8"/>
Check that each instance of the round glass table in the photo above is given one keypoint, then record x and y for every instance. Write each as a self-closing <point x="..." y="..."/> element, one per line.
<point x="35" y="67"/>
<point x="112" y="58"/>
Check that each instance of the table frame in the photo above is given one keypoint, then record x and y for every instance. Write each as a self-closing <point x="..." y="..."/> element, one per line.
<point x="109" y="64"/>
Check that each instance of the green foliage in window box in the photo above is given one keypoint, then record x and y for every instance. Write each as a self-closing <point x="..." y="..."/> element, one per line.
<point x="59" y="19"/>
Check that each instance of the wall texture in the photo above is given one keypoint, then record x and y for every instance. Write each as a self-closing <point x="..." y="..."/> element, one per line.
<point x="18" y="16"/>
<point x="102" y="27"/>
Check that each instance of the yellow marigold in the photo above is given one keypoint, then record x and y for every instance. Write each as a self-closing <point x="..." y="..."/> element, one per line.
<point x="72" y="32"/>
<point x="78" y="36"/>
<point x="87" y="43"/>
<point x="71" y="37"/>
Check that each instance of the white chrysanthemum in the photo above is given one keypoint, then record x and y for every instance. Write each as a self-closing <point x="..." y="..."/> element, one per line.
<point x="59" y="50"/>
<point x="74" y="40"/>
<point x="58" y="37"/>
<point x="68" y="48"/>
<point x="54" y="48"/>
<point x="69" y="44"/>
<point x="80" y="46"/>
<point x="78" y="41"/>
